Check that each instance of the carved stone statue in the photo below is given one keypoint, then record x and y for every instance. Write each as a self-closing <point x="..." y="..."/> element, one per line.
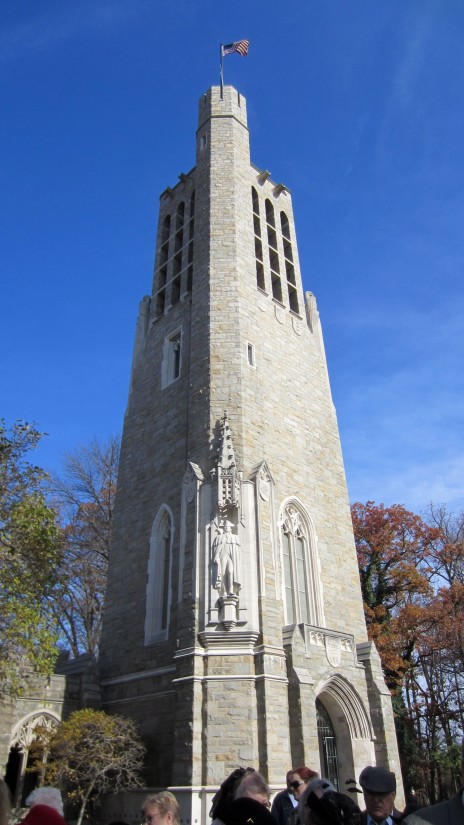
<point x="226" y="554"/>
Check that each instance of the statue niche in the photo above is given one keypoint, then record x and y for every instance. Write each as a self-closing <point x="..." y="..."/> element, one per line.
<point x="226" y="550"/>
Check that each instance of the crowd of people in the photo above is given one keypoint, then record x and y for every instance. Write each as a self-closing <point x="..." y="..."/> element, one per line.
<point x="308" y="799"/>
<point x="244" y="798"/>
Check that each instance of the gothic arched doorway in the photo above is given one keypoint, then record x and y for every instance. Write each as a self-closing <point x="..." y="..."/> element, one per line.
<point x="20" y="780"/>
<point x="346" y="730"/>
<point x="327" y="745"/>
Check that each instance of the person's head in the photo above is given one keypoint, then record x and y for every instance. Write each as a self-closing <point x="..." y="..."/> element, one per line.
<point x="46" y="796"/>
<point x="226" y="794"/>
<point x="254" y="786"/>
<point x="161" y="809"/>
<point x="321" y="804"/>
<point x="299" y="780"/>
<point x="379" y="789"/>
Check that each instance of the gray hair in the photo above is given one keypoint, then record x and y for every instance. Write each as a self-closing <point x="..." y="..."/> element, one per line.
<point x="46" y="796"/>
<point x="253" y="783"/>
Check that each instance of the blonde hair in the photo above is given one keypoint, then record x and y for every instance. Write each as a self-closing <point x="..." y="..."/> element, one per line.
<point x="166" y="802"/>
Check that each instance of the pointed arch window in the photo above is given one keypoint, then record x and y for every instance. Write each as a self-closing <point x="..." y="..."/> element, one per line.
<point x="159" y="578"/>
<point x="295" y="568"/>
<point x="301" y="577"/>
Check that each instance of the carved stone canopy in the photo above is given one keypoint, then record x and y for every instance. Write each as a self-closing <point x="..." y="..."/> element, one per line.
<point x="228" y="481"/>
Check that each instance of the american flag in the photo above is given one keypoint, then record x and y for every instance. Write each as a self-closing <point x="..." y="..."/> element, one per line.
<point x="240" y="47"/>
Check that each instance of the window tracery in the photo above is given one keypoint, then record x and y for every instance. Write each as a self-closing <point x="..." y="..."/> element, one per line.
<point x="301" y="577"/>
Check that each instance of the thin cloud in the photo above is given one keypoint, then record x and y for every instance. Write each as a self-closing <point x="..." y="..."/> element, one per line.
<point x="409" y="68"/>
<point x="48" y="29"/>
<point x="417" y="31"/>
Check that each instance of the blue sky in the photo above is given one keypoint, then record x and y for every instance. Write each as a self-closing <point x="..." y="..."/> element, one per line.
<point x="356" y="105"/>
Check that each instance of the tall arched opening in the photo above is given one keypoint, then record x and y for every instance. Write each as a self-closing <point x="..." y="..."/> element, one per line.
<point x="346" y="731"/>
<point x="20" y="780"/>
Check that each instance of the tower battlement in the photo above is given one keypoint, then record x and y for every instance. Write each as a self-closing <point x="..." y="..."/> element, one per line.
<point x="231" y="104"/>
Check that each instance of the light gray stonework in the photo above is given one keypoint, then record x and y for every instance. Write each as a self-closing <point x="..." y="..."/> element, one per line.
<point x="230" y="419"/>
<point x="43" y="703"/>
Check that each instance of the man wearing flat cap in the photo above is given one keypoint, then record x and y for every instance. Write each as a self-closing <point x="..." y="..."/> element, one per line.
<point x="379" y="789"/>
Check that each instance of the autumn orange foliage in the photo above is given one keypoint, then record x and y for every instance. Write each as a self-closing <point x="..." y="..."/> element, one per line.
<point x="412" y="579"/>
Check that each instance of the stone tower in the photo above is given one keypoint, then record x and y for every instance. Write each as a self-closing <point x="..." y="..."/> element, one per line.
<point x="234" y="630"/>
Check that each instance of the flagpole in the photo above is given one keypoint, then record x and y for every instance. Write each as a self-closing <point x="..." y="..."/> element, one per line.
<point x="221" y="71"/>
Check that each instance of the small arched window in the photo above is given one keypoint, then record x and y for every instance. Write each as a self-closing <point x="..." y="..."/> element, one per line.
<point x="159" y="578"/>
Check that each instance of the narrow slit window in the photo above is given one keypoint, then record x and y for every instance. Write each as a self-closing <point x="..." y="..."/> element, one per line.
<point x="251" y="355"/>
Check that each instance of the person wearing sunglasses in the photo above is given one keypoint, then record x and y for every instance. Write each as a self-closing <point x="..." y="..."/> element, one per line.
<point x="284" y="802"/>
<point x="298" y="783"/>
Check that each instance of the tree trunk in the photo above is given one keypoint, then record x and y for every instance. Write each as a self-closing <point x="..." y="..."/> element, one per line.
<point x="84" y="804"/>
